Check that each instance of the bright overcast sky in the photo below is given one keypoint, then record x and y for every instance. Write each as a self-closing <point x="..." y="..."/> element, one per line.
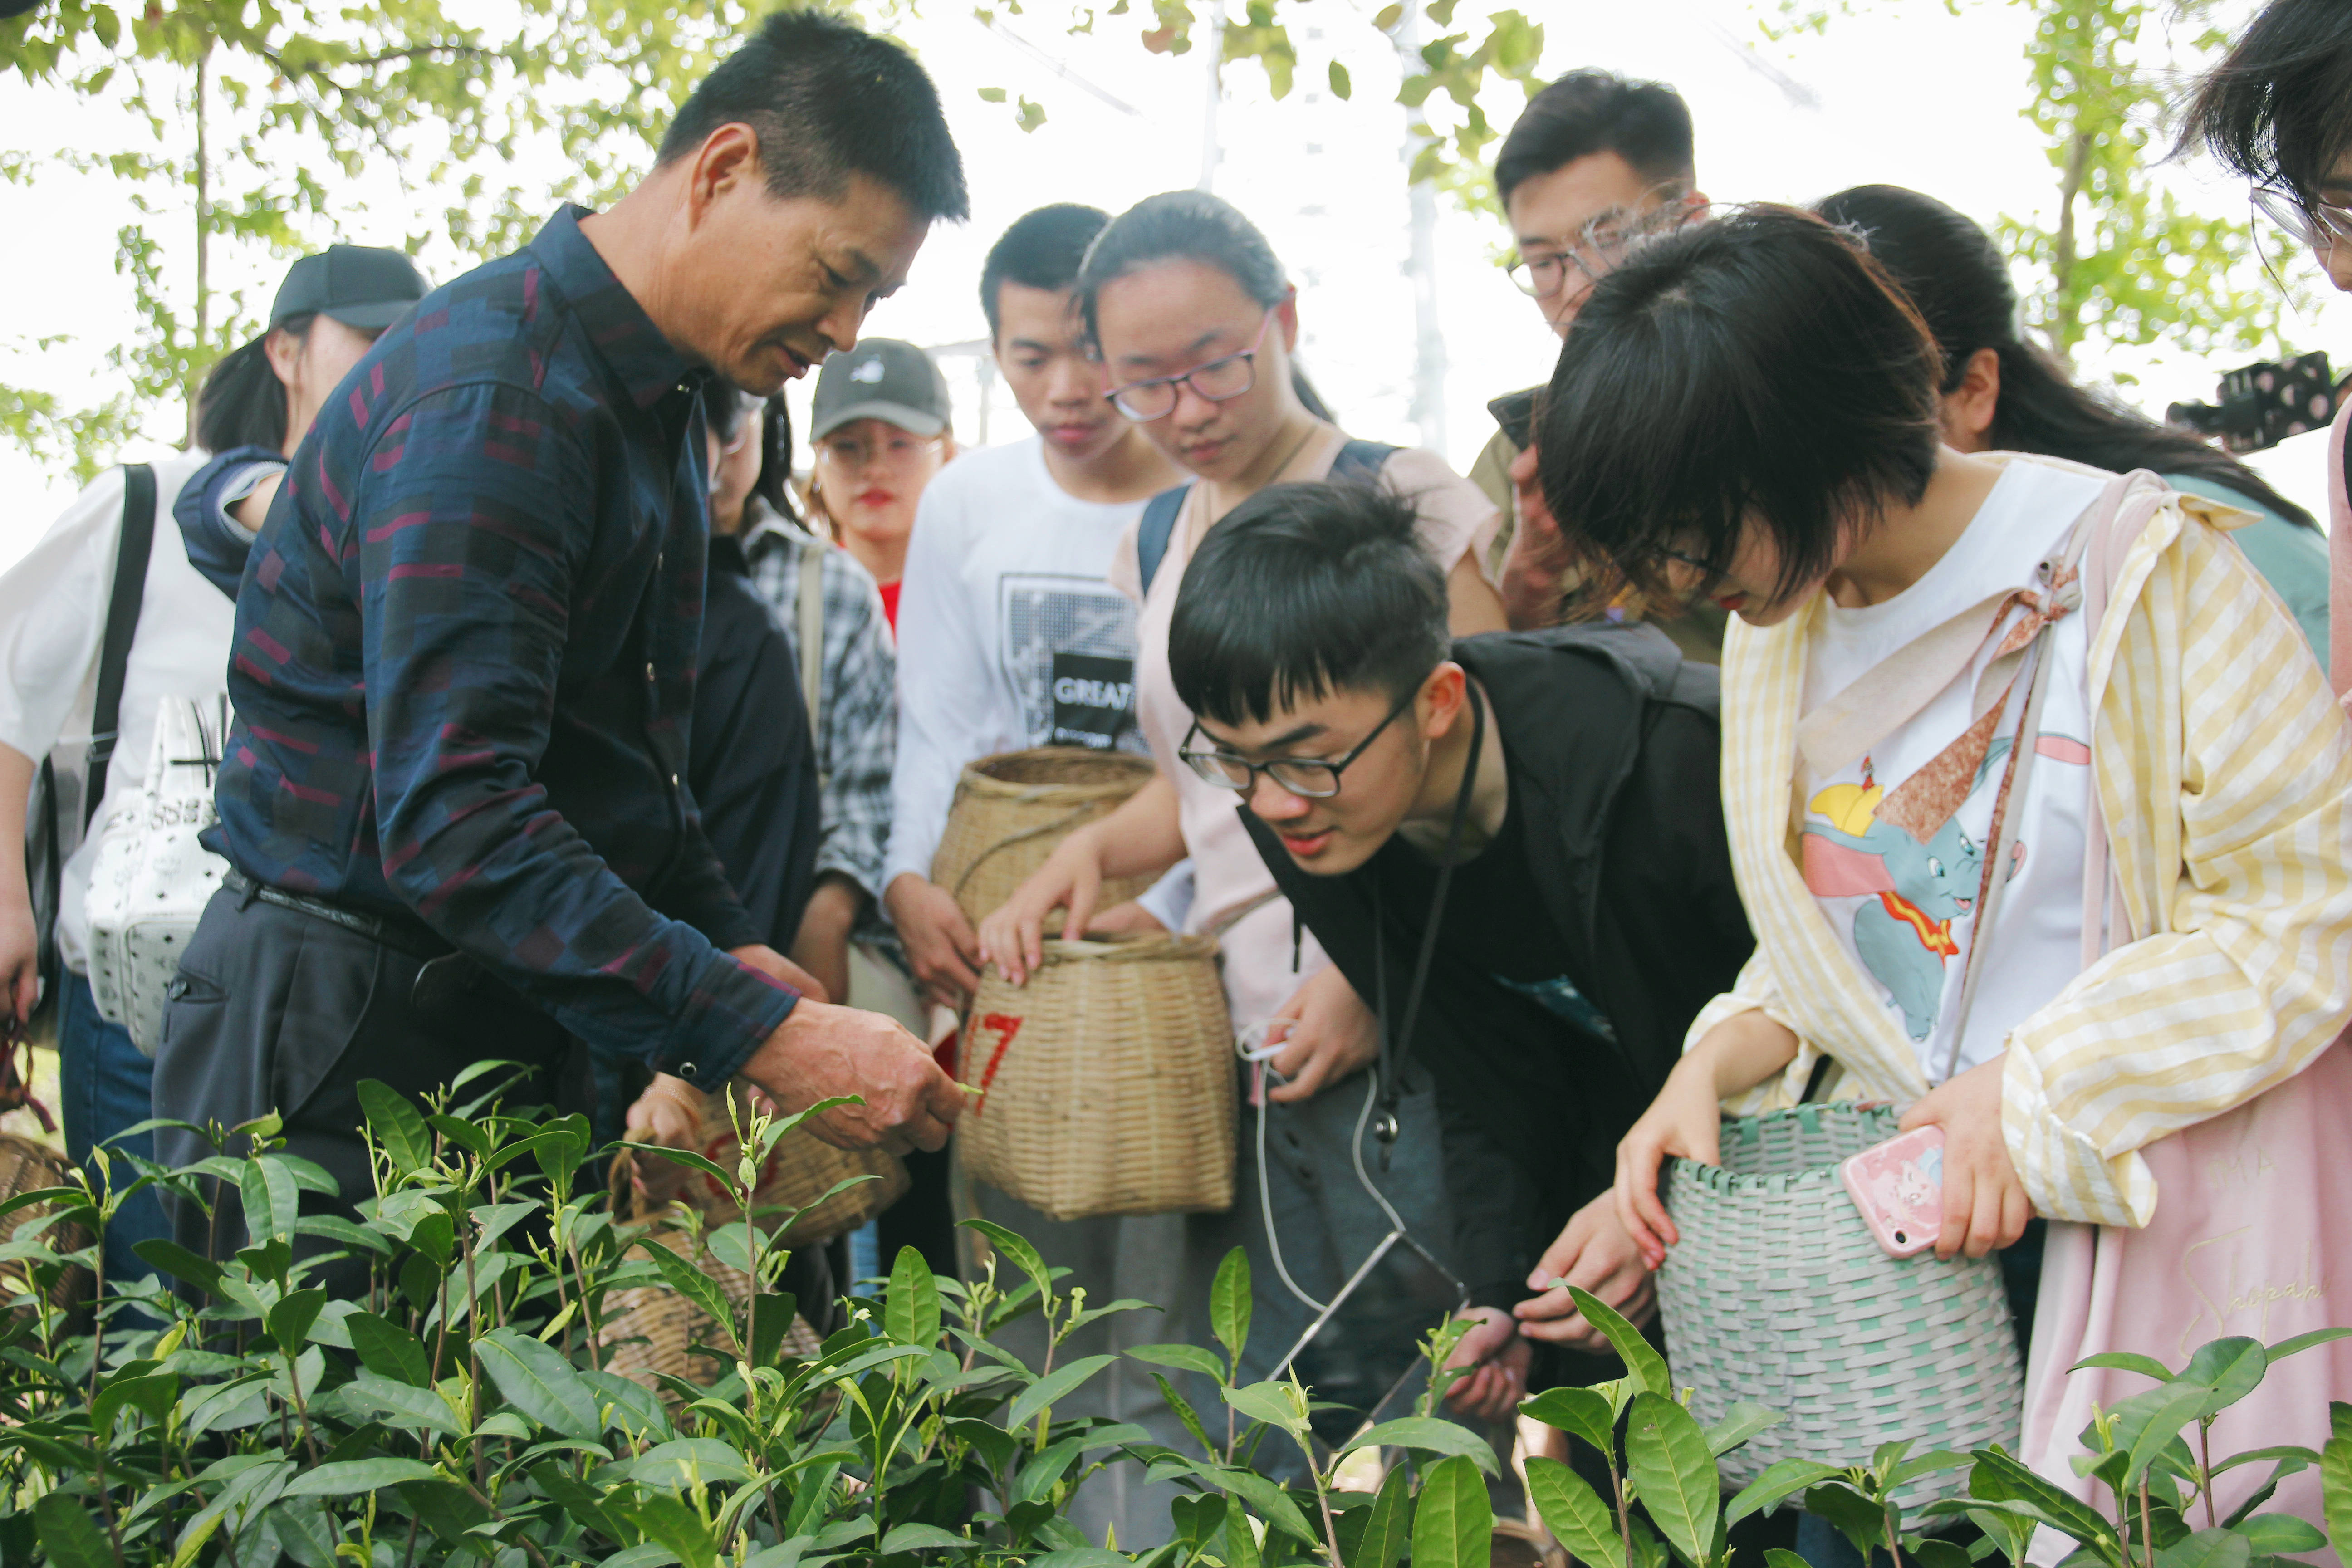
<point x="1905" y="93"/>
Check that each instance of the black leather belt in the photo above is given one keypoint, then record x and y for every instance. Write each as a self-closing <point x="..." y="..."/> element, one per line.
<point x="411" y="937"/>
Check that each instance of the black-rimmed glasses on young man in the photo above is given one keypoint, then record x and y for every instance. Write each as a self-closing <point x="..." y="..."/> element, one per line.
<point x="1300" y="775"/>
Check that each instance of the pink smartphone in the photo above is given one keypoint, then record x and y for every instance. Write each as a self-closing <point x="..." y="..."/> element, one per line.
<point x="1898" y="1185"/>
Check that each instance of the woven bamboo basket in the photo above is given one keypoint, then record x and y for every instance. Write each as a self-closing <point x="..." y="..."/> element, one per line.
<point x="1106" y="1083"/>
<point x="1778" y="1294"/>
<point x="800" y="1170"/>
<point x="648" y="1328"/>
<point x="26" y="1166"/>
<point x="1012" y="809"/>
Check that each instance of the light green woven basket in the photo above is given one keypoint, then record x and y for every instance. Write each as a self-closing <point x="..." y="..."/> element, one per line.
<point x="1777" y="1293"/>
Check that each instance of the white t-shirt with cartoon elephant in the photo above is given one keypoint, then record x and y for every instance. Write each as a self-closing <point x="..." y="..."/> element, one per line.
<point x="1892" y="848"/>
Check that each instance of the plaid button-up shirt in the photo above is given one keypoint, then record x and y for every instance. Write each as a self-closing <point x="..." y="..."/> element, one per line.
<point x="465" y="654"/>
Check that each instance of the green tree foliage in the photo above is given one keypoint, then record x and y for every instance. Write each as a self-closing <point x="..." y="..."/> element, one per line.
<point x="2123" y="263"/>
<point x="260" y="114"/>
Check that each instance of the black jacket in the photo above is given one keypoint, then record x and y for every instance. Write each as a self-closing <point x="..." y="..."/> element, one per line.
<point x="1612" y="744"/>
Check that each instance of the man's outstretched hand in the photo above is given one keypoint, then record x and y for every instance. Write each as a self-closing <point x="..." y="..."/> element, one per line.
<point x="821" y="1052"/>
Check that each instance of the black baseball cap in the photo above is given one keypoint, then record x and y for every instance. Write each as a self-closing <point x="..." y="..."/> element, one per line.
<point x="363" y="286"/>
<point x="882" y="379"/>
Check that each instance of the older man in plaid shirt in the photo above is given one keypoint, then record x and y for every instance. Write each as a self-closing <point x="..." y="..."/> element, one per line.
<point x="464" y="649"/>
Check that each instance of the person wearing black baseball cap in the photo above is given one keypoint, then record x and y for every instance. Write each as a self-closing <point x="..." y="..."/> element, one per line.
<point x="254" y="405"/>
<point x="258" y="399"/>
<point x="879" y="423"/>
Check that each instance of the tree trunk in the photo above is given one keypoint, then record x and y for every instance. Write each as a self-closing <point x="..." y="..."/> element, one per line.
<point x="2064" y="326"/>
<point x="1427" y="410"/>
<point x="204" y="230"/>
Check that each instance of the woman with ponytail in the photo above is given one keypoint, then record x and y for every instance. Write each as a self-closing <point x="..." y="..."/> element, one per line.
<point x="2001" y="394"/>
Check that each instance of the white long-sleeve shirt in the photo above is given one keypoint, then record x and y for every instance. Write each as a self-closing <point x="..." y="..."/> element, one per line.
<point x="1009" y="635"/>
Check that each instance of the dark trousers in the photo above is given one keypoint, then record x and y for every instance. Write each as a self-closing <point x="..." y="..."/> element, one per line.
<point x="274" y="1009"/>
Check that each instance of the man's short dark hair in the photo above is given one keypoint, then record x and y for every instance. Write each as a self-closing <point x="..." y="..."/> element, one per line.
<point x="828" y="100"/>
<point x="1041" y="250"/>
<point x="1761" y="368"/>
<point x="1586" y="111"/>
<point x="1302" y="591"/>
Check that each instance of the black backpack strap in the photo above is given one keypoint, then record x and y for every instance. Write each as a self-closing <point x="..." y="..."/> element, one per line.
<point x="130" y="553"/>
<point x="1361" y="460"/>
<point x="1158" y="527"/>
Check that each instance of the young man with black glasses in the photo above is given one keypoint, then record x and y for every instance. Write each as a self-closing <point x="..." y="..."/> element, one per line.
<point x="1512" y="846"/>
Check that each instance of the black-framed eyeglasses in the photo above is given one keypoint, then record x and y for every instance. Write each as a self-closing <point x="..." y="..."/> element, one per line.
<point x="1300" y="775"/>
<point x="1218" y="381"/>
<point x="2316" y="224"/>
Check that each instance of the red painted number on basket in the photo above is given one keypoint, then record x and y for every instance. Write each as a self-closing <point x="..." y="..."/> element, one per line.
<point x="1006" y="1026"/>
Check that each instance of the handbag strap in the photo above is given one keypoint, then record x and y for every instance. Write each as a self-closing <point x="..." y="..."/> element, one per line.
<point x="2132" y="502"/>
<point x="132" y="551"/>
<point x="811" y="623"/>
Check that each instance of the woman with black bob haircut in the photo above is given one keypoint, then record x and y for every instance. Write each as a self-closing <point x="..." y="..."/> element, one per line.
<point x="1753" y="410"/>
<point x="2001" y="393"/>
<point x="1195" y="324"/>
<point x="2278" y="111"/>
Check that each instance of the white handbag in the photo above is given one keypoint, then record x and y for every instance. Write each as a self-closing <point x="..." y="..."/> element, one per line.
<point x="152" y="879"/>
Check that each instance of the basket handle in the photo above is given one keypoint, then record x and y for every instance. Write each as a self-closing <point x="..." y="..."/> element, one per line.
<point x="1069" y="820"/>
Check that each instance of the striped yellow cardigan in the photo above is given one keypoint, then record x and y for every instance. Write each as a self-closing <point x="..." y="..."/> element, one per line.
<point x="2224" y="768"/>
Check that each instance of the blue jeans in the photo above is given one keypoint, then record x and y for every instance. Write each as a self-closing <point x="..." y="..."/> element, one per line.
<point x="106" y="1086"/>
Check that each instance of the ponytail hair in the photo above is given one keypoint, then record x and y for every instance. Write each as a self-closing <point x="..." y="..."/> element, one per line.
<point x="774" y="484"/>
<point x="1958" y="281"/>
<point x="242" y="403"/>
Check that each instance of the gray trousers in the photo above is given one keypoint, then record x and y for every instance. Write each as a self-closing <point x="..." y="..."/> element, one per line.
<point x="278" y="1010"/>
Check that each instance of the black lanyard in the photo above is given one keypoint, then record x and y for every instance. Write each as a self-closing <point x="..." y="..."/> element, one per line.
<point x="1396" y="1045"/>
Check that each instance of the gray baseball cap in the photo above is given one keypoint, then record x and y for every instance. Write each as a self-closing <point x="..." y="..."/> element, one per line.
<point x="882" y="379"/>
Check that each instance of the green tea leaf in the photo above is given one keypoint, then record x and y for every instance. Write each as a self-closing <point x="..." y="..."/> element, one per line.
<point x="1022" y="1256"/>
<point x="1388" y="1527"/>
<point x="2128" y="1361"/>
<point x="288" y="1322"/>
<point x="2000" y="1478"/>
<point x="1781" y="1479"/>
<point x="687" y="1460"/>
<point x="70" y="1534"/>
<point x="1667" y="1456"/>
<point x="1241" y="1542"/>
<point x="1229" y="1304"/>
<point x="1642" y="1362"/>
<point x="271" y="1199"/>
<point x="2010" y="1529"/>
<point x="2302" y="1342"/>
<point x="1272" y="1403"/>
<point x="1452" y="1523"/>
<point x="388" y="1350"/>
<point x="912" y="1310"/>
<point x="152" y="1393"/>
<point x="2278" y="1534"/>
<point x="1855" y="1516"/>
<point x="1782" y="1557"/>
<point x="2335" y="1486"/>
<point x="692" y="1283"/>
<point x="1273" y="1504"/>
<point x="2206" y="1549"/>
<point x="1573" y="1511"/>
<point x="1585" y="1412"/>
<point x="1741" y="1422"/>
<point x="1048" y="1390"/>
<point x="693" y="1162"/>
<point x="351" y="1475"/>
<point x="921" y="1537"/>
<point x="672" y="1521"/>
<point x="2147" y="1422"/>
<point x="180" y="1263"/>
<point x="1928" y="1464"/>
<point x="396" y="1125"/>
<point x="1341" y="85"/>
<point x="1092" y="1557"/>
<point x="1430" y="1436"/>
<point x="540" y="1383"/>
<point x="1185" y="1358"/>
<point x="404" y="1404"/>
<point x="2230" y="1369"/>
<point x="1185" y="1412"/>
